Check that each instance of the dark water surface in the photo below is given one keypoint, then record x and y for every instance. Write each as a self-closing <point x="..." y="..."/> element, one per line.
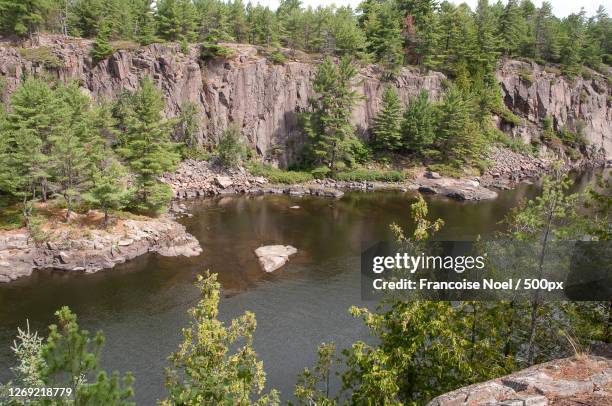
<point x="141" y="305"/>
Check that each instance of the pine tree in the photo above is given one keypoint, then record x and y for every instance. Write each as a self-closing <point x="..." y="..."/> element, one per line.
<point x="387" y="124"/>
<point x="384" y="36"/>
<point x="216" y="364"/>
<point x="23" y="17"/>
<point x="512" y="29"/>
<point x="347" y="38"/>
<point x="237" y="17"/>
<point x="547" y="41"/>
<point x="145" y="22"/>
<point x="69" y="161"/>
<point x="108" y="189"/>
<point x="147" y="147"/>
<point x="488" y="40"/>
<point x="419" y="124"/>
<point x="327" y="125"/>
<point x="176" y="20"/>
<point x="458" y="137"/>
<point x="102" y="48"/>
<point x="35" y="116"/>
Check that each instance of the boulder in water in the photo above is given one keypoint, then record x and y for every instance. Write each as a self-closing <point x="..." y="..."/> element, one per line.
<point x="272" y="257"/>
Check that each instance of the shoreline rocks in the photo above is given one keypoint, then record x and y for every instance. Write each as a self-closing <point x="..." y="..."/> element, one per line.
<point x="20" y="255"/>
<point x="583" y="379"/>
<point x="272" y="257"/>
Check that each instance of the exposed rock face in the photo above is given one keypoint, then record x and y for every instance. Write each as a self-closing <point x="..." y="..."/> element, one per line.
<point x="272" y="257"/>
<point x="264" y="98"/>
<point x="585" y="380"/>
<point x="533" y="92"/>
<point x="19" y="255"/>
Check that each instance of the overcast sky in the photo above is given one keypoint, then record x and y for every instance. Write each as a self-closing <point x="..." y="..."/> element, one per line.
<point x="561" y="8"/>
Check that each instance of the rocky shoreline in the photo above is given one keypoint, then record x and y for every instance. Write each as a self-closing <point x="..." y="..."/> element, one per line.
<point x="98" y="249"/>
<point x="203" y="178"/>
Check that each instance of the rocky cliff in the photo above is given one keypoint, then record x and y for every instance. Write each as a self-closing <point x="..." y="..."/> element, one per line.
<point x="263" y="97"/>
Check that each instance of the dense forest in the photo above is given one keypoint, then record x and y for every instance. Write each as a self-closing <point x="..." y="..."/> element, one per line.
<point x="439" y="35"/>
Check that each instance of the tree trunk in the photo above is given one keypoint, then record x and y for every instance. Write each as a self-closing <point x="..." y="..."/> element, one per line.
<point x="535" y="304"/>
<point x="68" y="207"/>
<point x="508" y="345"/>
<point x="105" y="217"/>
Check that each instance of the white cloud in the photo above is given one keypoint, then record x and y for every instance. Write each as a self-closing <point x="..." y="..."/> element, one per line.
<point x="561" y="8"/>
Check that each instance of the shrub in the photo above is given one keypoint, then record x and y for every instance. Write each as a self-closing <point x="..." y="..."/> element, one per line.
<point x="210" y="51"/>
<point x="195" y="153"/>
<point x="43" y="56"/>
<point x="231" y="150"/>
<point x="321" y="172"/>
<point x="277" y="58"/>
<point x="276" y="175"/>
<point x="525" y="75"/>
<point x="360" y="175"/>
<point x="515" y="144"/>
<point x="447" y="170"/>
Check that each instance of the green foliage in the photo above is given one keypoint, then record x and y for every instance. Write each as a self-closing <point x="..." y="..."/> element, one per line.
<point x="382" y="26"/>
<point x="313" y="386"/>
<point x="525" y="76"/>
<point x="109" y="187"/>
<point x="176" y="20"/>
<point x="321" y="172"/>
<point x="146" y="146"/>
<point x="189" y="124"/>
<point x="67" y="358"/>
<point x="330" y="134"/>
<point x="24" y="18"/>
<point x="458" y="138"/>
<point x="277" y="58"/>
<point x="276" y="175"/>
<point x="231" y="150"/>
<point x="43" y="56"/>
<point x="419" y="124"/>
<point x="216" y="364"/>
<point x="386" y="129"/>
<point x="102" y="47"/>
<point x="361" y="175"/>
<point x="210" y="51"/>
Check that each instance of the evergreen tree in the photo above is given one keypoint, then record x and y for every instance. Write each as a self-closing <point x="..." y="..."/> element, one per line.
<point x="546" y="35"/>
<point x="23" y="17"/>
<point x="102" y="48"/>
<point x="216" y="364"/>
<point x="237" y="17"/>
<point x="384" y="35"/>
<point x="487" y="39"/>
<point x="69" y="161"/>
<point x="35" y="116"/>
<point x="213" y="18"/>
<point x="327" y="125"/>
<point x="108" y="189"/>
<point x="147" y="147"/>
<point x="458" y="137"/>
<point x="419" y="124"/>
<point x="347" y="38"/>
<point x="512" y="29"/>
<point x="145" y="22"/>
<point x="176" y="20"/>
<point x="386" y="130"/>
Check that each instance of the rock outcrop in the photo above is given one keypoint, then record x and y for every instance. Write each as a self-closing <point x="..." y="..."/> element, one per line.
<point x="98" y="249"/>
<point x="580" y="380"/>
<point x="534" y="92"/>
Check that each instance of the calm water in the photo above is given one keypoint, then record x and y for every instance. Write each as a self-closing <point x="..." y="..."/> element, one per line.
<point x="141" y="306"/>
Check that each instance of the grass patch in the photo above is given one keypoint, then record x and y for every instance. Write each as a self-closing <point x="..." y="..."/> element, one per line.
<point x="514" y="144"/>
<point x="276" y="175"/>
<point x="11" y="216"/>
<point x="360" y="175"/>
<point x="124" y="44"/>
<point x="447" y="170"/>
<point x="525" y="75"/>
<point x="195" y="153"/>
<point x="43" y="56"/>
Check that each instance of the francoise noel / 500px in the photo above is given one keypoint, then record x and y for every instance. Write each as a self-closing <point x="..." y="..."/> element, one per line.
<point x="305" y="202"/>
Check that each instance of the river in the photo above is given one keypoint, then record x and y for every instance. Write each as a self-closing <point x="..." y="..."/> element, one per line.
<point x="141" y="305"/>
